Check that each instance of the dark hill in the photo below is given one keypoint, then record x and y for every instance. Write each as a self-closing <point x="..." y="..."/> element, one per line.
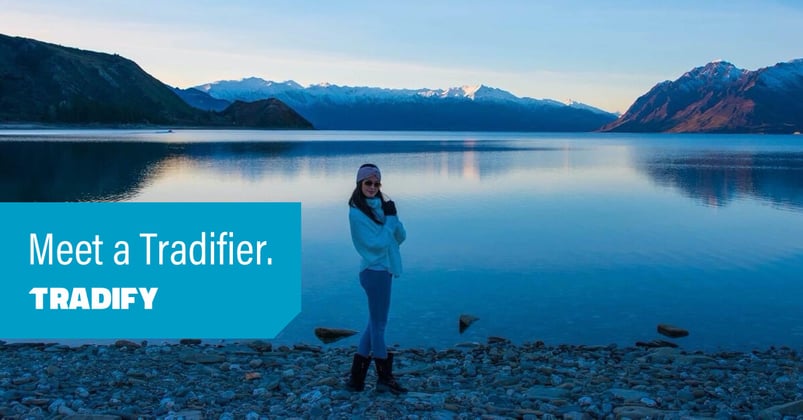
<point x="201" y="100"/>
<point x="264" y="113"/>
<point x="42" y="82"/>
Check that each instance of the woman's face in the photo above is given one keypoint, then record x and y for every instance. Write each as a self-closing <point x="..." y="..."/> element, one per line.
<point x="370" y="186"/>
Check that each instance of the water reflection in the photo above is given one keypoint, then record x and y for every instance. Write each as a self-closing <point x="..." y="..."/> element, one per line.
<point x="717" y="179"/>
<point x="103" y="171"/>
<point x="37" y="171"/>
<point x="45" y="171"/>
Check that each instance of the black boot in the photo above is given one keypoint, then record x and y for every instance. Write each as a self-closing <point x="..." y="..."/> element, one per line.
<point x="359" y="368"/>
<point x="386" y="381"/>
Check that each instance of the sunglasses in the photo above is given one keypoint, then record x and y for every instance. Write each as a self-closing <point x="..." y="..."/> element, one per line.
<point x="372" y="183"/>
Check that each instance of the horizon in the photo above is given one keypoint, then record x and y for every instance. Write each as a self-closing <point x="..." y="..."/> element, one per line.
<point x="605" y="56"/>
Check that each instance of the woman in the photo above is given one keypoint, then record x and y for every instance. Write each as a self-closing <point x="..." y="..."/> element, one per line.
<point x="376" y="233"/>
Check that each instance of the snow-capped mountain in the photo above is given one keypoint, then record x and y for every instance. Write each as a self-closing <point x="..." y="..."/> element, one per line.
<point x="248" y="90"/>
<point x="719" y="97"/>
<point x="478" y="107"/>
<point x="579" y="105"/>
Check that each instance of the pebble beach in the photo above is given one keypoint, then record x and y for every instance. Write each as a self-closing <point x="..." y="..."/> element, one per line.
<point x="493" y="380"/>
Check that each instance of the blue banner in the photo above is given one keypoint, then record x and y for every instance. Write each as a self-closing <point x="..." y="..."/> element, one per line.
<point x="149" y="270"/>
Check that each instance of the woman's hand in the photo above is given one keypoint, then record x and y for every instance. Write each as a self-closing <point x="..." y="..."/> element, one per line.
<point x="389" y="208"/>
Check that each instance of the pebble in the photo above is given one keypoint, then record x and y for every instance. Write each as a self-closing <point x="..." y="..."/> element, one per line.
<point x="493" y="381"/>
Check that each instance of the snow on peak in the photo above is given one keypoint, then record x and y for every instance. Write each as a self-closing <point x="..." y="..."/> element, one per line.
<point x="717" y="72"/>
<point x="471" y="92"/>
<point x="248" y="89"/>
<point x="783" y="75"/>
<point x="579" y="105"/>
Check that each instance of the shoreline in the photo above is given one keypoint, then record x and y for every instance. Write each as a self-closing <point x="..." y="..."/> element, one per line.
<point x="497" y="380"/>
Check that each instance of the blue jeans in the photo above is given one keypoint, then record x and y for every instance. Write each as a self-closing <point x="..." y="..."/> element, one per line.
<point x="377" y="287"/>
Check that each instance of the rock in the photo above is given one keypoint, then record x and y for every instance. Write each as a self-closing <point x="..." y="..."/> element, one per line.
<point x="55" y="348"/>
<point x="189" y="415"/>
<point x="34" y="401"/>
<point x="126" y="343"/>
<point x="189" y="341"/>
<point x="672" y="331"/>
<point x="307" y="347"/>
<point x="466" y="321"/>
<point x="261" y="346"/>
<point x="628" y="395"/>
<point x="202" y="358"/>
<point x="638" y="412"/>
<point x="539" y="392"/>
<point x="330" y="335"/>
<point x="272" y="382"/>
<point x="496" y="340"/>
<point x="794" y="408"/>
<point x="655" y="343"/>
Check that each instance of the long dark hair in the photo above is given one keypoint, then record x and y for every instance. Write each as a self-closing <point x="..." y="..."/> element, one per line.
<point x="358" y="199"/>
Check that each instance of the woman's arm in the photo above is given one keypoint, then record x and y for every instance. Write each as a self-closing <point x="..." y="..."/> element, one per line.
<point x="399" y="233"/>
<point x="368" y="235"/>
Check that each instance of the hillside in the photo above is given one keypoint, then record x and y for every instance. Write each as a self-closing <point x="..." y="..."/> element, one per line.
<point x="48" y="83"/>
<point x="264" y="113"/>
<point x="721" y="98"/>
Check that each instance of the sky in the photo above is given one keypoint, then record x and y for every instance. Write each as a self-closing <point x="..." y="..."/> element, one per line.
<point x="602" y="53"/>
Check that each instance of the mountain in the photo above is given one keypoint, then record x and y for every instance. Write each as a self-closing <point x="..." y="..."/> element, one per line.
<point x="470" y="108"/>
<point x="48" y="83"/>
<point x="201" y="100"/>
<point x="721" y="98"/>
<point x="263" y="113"/>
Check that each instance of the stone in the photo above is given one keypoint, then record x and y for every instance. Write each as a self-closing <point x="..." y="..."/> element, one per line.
<point x="497" y="340"/>
<point x="628" y="395"/>
<point x="261" y="346"/>
<point x="672" y="331"/>
<point x="307" y="347"/>
<point x="794" y="408"/>
<point x="189" y="415"/>
<point x="539" y="392"/>
<point x="202" y="358"/>
<point x="655" y="343"/>
<point x="189" y="341"/>
<point x="465" y="321"/>
<point x="126" y="343"/>
<point x="330" y="335"/>
<point x="250" y="376"/>
<point x="638" y="412"/>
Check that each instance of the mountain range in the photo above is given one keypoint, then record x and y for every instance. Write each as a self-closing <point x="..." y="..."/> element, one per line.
<point x="721" y="98"/>
<point x="470" y="108"/>
<point x="42" y="82"/>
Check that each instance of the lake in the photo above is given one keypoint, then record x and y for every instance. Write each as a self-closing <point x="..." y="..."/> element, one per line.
<point x="579" y="238"/>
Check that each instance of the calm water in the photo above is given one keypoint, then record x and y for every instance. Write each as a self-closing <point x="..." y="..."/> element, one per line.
<point x="565" y="238"/>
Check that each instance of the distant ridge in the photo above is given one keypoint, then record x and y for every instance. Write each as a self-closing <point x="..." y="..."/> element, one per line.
<point x="201" y="100"/>
<point x="48" y="83"/>
<point x="471" y="108"/>
<point x="263" y="113"/>
<point x="721" y="98"/>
